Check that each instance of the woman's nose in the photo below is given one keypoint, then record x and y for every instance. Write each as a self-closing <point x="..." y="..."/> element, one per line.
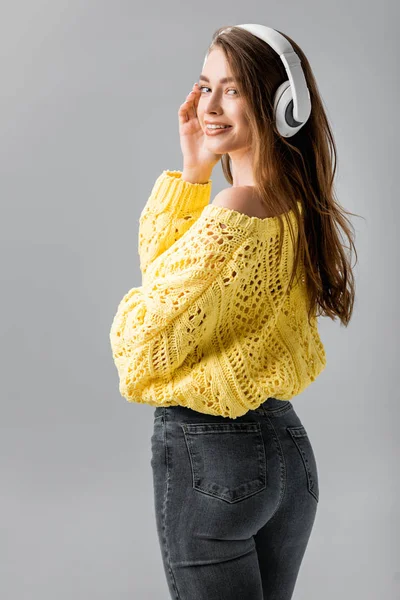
<point x="213" y="105"/>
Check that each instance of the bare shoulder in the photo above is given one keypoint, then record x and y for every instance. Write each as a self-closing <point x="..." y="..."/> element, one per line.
<point x="241" y="199"/>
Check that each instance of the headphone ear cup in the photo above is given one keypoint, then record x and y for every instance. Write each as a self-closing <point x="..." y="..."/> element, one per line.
<point x="283" y="111"/>
<point x="282" y="98"/>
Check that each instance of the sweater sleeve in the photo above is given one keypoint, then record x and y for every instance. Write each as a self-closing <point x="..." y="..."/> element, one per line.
<point x="174" y="313"/>
<point x="172" y="208"/>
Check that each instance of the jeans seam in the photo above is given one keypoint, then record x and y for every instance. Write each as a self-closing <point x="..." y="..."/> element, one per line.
<point x="277" y="411"/>
<point x="283" y="472"/>
<point x="164" y="515"/>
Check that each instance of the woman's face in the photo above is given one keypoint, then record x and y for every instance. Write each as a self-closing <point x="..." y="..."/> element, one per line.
<point x="221" y="103"/>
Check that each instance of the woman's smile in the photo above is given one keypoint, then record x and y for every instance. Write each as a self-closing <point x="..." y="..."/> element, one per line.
<point x="216" y="131"/>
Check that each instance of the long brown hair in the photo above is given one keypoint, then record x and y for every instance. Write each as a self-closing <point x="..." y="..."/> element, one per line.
<point x="301" y="167"/>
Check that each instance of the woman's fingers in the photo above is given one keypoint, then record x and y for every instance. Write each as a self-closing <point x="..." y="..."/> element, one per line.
<point x="196" y="96"/>
<point x="189" y="107"/>
<point x="184" y="112"/>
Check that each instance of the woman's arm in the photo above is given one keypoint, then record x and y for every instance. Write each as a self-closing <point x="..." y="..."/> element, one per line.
<point x="173" y="207"/>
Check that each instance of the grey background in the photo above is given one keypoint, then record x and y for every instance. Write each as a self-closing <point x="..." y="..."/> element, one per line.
<point x="88" y="120"/>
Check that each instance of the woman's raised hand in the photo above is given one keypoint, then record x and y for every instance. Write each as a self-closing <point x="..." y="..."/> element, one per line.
<point x="196" y="156"/>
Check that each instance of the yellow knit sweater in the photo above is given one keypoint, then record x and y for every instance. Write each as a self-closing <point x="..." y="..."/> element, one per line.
<point x="211" y="327"/>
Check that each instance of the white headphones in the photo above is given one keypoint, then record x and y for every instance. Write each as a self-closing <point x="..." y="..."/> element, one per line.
<point x="292" y="105"/>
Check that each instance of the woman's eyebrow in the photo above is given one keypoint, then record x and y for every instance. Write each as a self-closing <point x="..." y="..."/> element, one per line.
<point x="223" y="80"/>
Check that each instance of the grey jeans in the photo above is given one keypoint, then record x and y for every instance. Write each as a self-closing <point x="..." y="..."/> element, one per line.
<point x="235" y="501"/>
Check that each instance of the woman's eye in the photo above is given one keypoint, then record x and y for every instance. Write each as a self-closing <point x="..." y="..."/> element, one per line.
<point x="204" y="87"/>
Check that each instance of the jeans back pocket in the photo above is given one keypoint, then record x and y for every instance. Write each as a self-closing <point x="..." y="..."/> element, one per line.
<point x="302" y="441"/>
<point x="228" y="460"/>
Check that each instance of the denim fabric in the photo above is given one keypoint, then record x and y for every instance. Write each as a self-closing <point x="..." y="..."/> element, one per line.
<point x="235" y="501"/>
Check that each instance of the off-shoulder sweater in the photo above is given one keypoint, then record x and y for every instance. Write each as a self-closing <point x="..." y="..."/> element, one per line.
<point x="213" y="326"/>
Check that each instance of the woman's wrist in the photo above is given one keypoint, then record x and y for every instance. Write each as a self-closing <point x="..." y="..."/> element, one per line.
<point x="196" y="175"/>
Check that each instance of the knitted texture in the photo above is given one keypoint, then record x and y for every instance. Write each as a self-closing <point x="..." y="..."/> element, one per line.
<point x="213" y="326"/>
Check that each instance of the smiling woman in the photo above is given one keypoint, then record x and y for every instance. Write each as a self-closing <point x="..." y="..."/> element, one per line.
<point x="222" y="333"/>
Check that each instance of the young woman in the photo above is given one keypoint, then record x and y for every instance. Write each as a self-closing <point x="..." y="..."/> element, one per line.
<point x="223" y="332"/>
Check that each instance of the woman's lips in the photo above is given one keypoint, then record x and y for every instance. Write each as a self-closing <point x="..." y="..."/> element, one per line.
<point x="216" y="131"/>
